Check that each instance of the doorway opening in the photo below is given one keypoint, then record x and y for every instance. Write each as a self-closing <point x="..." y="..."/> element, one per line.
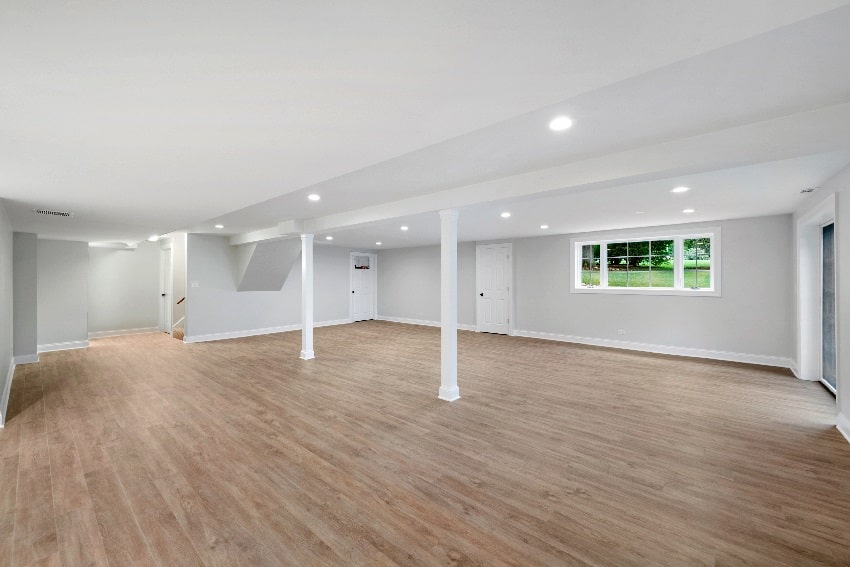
<point x="828" y="323"/>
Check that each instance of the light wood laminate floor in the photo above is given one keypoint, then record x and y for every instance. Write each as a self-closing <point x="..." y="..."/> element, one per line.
<point x="142" y="450"/>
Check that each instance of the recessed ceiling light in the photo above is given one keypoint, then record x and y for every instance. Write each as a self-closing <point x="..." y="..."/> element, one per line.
<point x="640" y="212"/>
<point x="219" y="226"/>
<point x="153" y="238"/>
<point x="688" y="210"/>
<point x="544" y="226"/>
<point x="378" y="243"/>
<point x="404" y="228"/>
<point x="560" y="123"/>
<point x="313" y="197"/>
<point x="506" y="215"/>
<point x="329" y="238"/>
<point x="680" y="189"/>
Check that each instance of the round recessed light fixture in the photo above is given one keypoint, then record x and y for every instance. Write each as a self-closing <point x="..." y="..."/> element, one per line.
<point x="219" y="226"/>
<point x="544" y="226"/>
<point x="688" y="211"/>
<point x="404" y="228"/>
<point x="314" y="197"/>
<point x="640" y="212"/>
<point x="506" y="215"/>
<point x="378" y="243"/>
<point x="153" y="238"/>
<point x="680" y="189"/>
<point x="329" y="238"/>
<point x="561" y="123"/>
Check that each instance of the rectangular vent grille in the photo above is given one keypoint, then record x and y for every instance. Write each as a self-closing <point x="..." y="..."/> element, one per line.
<point x="50" y="213"/>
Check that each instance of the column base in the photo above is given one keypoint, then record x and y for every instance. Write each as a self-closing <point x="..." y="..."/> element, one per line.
<point x="308" y="354"/>
<point x="449" y="393"/>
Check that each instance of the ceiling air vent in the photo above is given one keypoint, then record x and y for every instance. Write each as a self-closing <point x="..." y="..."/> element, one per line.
<point x="49" y="213"/>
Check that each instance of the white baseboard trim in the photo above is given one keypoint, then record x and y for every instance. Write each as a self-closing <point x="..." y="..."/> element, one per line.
<point x="843" y="425"/>
<point x="4" y="400"/>
<point x="123" y="332"/>
<point x="62" y="346"/>
<point x="26" y="359"/>
<point x="425" y="322"/>
<point x="254" y="332"/>
<point x="779" y="361"/>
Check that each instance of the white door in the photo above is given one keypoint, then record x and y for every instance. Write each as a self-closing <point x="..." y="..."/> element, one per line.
<point x="363" y="285"/>
<point x="165" y="290"/>
<point x="493" y="276"/>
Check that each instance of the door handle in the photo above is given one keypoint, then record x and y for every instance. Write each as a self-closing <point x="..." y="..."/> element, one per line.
<point x="163" y="295"/>
<point x="352" y="291"/>
<point x="481" y="294"/>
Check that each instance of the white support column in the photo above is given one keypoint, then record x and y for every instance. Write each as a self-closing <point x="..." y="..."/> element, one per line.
<point x="307" y="297"/>
<point x="448" y="305"/>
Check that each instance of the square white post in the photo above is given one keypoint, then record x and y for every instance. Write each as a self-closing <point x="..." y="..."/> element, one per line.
<point x="307" y="297"/>
<point x="448" y="305"/>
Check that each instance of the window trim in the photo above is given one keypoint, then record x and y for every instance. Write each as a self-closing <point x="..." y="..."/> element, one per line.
<point x="677" y="235"/>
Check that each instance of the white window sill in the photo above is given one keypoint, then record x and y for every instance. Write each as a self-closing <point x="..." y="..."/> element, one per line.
<point x="706" y="292"/>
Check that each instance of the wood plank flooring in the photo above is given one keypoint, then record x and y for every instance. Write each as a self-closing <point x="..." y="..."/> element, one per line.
<point x="142" y="450"/>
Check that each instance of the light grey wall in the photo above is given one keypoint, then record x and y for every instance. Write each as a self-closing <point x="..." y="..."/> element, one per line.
<point x="215" y="306"/>
<point x="63" y="270"/>
<point x="754" y="316"/>
<point x="123" y="290"/>
<point x="25" y="270"/>
<point x="409" y="283"/>
<point x="6" y="312"/>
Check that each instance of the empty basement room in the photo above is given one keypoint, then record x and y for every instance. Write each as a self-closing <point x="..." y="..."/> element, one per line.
<point x="442" y="283"/>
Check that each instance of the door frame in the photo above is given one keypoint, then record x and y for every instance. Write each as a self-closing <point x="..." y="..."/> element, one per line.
<point x="373" y="267"/>
<point x="821" y="226"/>
<point x="166" y="312"/>
<point x="511" y="316"/>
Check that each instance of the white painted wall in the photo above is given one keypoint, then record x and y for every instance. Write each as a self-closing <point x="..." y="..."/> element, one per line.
<point x="753" y="317"/>
<point x="123" y="290"/>
<point x="7" y="366"/>
<point x="25" y="294"/>
<point x="409" y="284"/>
<point x="63" y="270"/>
<point x="215" y="306"/>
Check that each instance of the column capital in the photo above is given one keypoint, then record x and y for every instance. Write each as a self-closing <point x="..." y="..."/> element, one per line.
<point x="307" y="236"/>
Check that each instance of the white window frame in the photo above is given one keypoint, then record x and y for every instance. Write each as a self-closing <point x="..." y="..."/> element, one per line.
<point x="678" y="236"/>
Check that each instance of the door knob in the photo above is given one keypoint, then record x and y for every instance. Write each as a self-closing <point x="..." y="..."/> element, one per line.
<point x="481" y="294"/>
<point x="352" y="291"/>
<point x="163" y="295"/>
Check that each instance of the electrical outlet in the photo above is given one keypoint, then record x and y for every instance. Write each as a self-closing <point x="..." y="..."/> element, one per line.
<point x="621" y="332"/>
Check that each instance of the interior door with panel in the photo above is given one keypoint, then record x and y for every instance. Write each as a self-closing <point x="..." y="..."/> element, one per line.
<point x="363" y="286"/>
<point x="494" y="278"/>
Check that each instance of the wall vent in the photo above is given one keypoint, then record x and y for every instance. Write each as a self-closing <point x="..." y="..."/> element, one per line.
<point x="49" y="213"/>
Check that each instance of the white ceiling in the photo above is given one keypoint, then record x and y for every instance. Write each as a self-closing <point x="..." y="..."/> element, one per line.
<point x="151" y="117"/>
